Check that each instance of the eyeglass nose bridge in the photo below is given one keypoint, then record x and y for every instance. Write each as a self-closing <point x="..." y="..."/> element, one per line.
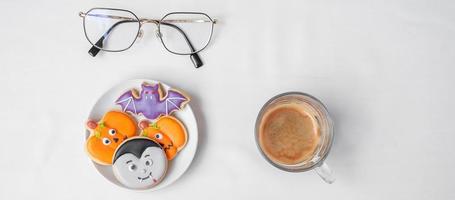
<point x="151" y="21"/>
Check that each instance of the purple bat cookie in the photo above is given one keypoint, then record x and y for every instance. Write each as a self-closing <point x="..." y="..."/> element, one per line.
<point x="151" y="102"/>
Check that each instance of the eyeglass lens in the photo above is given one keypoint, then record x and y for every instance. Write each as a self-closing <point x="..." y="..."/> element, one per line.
<point x="185" y="33"/>
<point x="111" y="30"/>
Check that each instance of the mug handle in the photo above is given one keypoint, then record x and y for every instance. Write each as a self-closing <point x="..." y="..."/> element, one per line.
<point x="325" y="173"/>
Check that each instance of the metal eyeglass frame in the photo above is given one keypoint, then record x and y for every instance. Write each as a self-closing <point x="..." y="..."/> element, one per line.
<point x="195" y="59"/>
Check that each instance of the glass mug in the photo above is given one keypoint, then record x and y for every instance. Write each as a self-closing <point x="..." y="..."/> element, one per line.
<point x="321" y="120"/>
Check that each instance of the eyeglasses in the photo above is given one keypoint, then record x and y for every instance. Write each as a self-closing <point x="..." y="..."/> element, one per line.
<point x="115" y="30"/>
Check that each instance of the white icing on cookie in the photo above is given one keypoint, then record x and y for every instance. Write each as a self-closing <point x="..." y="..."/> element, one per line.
<point x="141" y="173"/>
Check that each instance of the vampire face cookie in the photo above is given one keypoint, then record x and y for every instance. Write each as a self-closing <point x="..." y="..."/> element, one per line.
<point x="152" y="102"/>
<point x="168" y="131"/>
<point x="139" y="163"/>
<point x="107" y="134"/>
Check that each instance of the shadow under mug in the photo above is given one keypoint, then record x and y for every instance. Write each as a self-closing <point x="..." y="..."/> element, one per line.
<point x="325" y="124"/>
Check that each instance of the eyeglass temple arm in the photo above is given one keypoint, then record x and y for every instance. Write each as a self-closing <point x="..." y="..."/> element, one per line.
<point x="195" y="59"/>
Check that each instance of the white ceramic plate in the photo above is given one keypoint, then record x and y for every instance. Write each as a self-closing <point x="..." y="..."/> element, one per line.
<point x="180" y="163"/>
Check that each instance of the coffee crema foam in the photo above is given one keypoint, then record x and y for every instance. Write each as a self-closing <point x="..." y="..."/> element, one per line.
<point x="289" y="134"/>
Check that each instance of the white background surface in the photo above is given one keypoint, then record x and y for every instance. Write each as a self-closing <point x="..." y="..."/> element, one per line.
<point x="383" y="68"/>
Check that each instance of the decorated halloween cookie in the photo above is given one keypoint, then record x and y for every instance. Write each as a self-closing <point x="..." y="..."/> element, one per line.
<point x="151" y="101"/>
<point x="168" y="131"/>
<point x="107" y="134"/>
<point x="139" y="163"/>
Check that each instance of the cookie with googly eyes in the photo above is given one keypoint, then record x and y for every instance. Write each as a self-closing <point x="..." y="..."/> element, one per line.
<point x="168" y="131"/>
<point x="139" y="163"/>
<point x="107" y="134"/>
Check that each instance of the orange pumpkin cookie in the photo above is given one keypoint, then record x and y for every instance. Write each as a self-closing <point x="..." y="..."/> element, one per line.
<point x="107" y="134"/>
<point x="168" y="131"/>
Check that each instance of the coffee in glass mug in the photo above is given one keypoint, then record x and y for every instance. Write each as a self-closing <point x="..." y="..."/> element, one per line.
<point x="294" y="133"/>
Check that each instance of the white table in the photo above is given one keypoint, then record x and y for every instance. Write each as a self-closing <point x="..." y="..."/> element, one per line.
<point x="384" y="69"/>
